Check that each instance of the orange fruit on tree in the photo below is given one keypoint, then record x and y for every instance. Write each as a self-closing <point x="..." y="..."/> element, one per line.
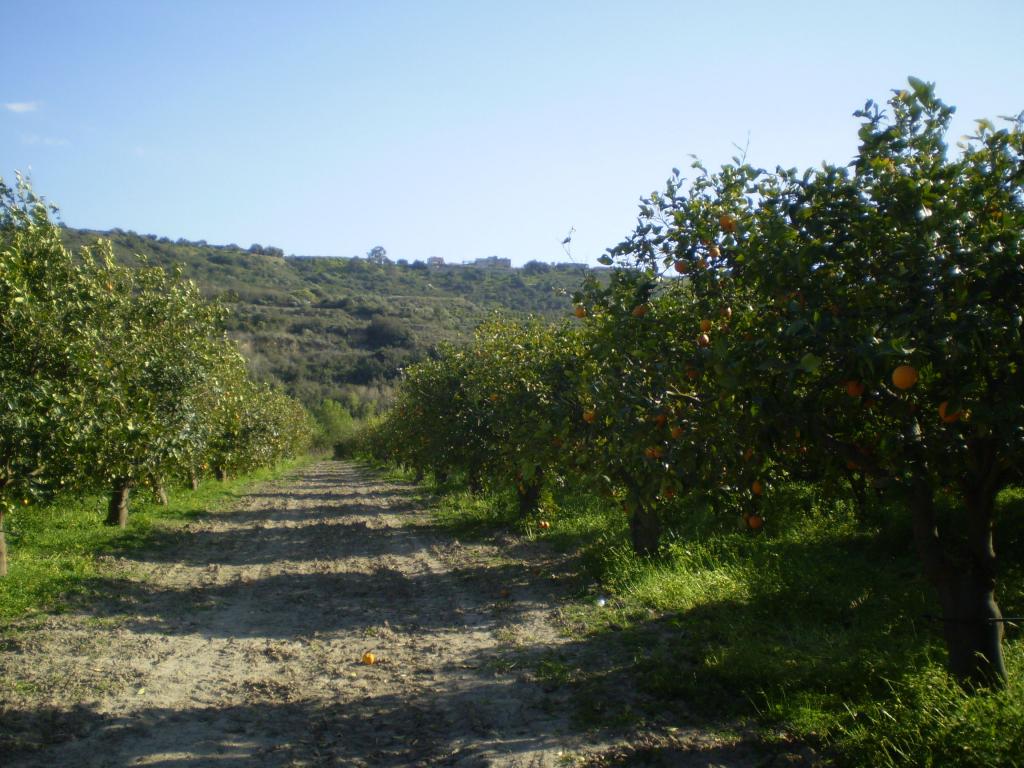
<point x="676" y="432"/>
<point x="580" y="311"/>
<point x="639" y="310"/>
<point x="705" y="325"/>
<point x="757" y="488"/>
<point x="703" y="340"/>
<point x="726" y="312"/>
<point x="946" y="415"/>
<point x="904" y="376"/>
<point x="660" y="419"/>
<point x="544" y="525"/>
<point x="681" y="267"/>
<point x="494" y="397"/>
<point x="854" y="388"/>
<point x="748" y="454"/>
<point x="589" y="416"/>
<point x="755" y="521"/>
<point x="727" y="222"/>
<point x="692" y="374"/>
<point x="713" y="251"/>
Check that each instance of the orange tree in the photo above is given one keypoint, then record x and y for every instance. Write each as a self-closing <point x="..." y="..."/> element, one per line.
<point x="436" y="424"/>
<point x="48" y="348"/>
<point x="246" y="425"/>
<point x="520" y="382"/>
<point x="883" y="306"/>
<point x="654" y="419"/>
<point x="160" y="340"/>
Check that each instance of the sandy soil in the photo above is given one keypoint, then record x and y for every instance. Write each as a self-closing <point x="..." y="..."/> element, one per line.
<point x="242" y="645"/>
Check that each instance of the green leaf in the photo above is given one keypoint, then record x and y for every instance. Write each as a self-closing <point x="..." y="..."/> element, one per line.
<point x="810" y="362"/>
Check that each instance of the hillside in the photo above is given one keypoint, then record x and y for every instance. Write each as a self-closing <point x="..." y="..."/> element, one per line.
<point x="341" y="328"/>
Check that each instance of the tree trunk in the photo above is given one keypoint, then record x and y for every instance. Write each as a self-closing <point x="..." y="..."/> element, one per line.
<point x="644" y="530"/>
<point x="529" y="496"/>
<point x="160" y="492"/>
<point x="3" y="545"/>
<point x="117" y="509"/>
<point x="419" y="476"/>
<point x="193" y="478"/>
<point x="220" y="473"/>
<point x="972" y="623"/>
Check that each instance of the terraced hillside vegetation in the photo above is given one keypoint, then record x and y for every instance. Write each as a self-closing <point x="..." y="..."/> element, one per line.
<point x="342" y="328"/>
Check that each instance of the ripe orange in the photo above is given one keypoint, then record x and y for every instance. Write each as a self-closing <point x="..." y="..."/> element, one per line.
<point x="703" y="340"/>
<point x="727" y="313"/>
<point x="727" y="222"/>
<point x="580" y="311"/>
<point x="660" y="419"/>
<point x="705" y="325"/>
<point x="369" y="658"/>
<point x="757" y="488"/>
<point x="676" y="432"/>
<point x="494" y="397"/>
<point x="544" y="525"/>
<point x="639" y="310"/>
<point x="755" y="521"/>
<point x="681" y="267"/>
<point x="692" y="374"/>
<point x="944" y="414"/>
<point x="589" y="416"/>
<point x="854" y="388"/>
<point x="904" y="376"/>
<point x="713" y="251"/>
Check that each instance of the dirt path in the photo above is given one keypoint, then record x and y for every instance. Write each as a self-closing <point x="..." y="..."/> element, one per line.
<point x="241" y="645"/>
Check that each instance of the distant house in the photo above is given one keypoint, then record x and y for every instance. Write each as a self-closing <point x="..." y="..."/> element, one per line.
<point x="493" y="262"/>
<point x="435" y="261"/>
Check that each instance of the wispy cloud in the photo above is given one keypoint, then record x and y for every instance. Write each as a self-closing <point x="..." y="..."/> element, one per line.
<point x="44" y="141"/>
<point x="21" y="106"/>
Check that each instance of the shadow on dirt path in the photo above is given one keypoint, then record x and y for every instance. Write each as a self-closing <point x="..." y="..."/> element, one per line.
<point x="241" y="645"/>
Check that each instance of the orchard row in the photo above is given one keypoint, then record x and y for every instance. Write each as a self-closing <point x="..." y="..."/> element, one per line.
<point x="113" y="377"/>
<point x="858" y="326"/>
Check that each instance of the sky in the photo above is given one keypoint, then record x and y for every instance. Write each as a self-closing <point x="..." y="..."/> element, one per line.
<point x="454" y="129"/>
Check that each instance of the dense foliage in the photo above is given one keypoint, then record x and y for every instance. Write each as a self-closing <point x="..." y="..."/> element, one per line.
<point x="859" y="327"/>
<point x="115" y="377"/>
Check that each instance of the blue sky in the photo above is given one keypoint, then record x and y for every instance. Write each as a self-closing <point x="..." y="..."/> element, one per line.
<point x="453" y="129"/>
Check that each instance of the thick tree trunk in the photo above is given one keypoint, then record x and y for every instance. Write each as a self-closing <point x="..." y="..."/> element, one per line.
<point x="117" y="509"/>
<point x="193" y="478"/>
<point x="529" y="495"/>
<point x="220" y="473"/>
<point x="3" y="546"/>
<point x="972" y="623"/>
<point x="419" y="476"/>
<point x="160" y="492"/>
<point x="645" y="530"/>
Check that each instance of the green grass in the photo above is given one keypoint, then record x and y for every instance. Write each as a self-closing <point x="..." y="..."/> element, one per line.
<point x="815" y="629"/>
<point x="56" y="549"/>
